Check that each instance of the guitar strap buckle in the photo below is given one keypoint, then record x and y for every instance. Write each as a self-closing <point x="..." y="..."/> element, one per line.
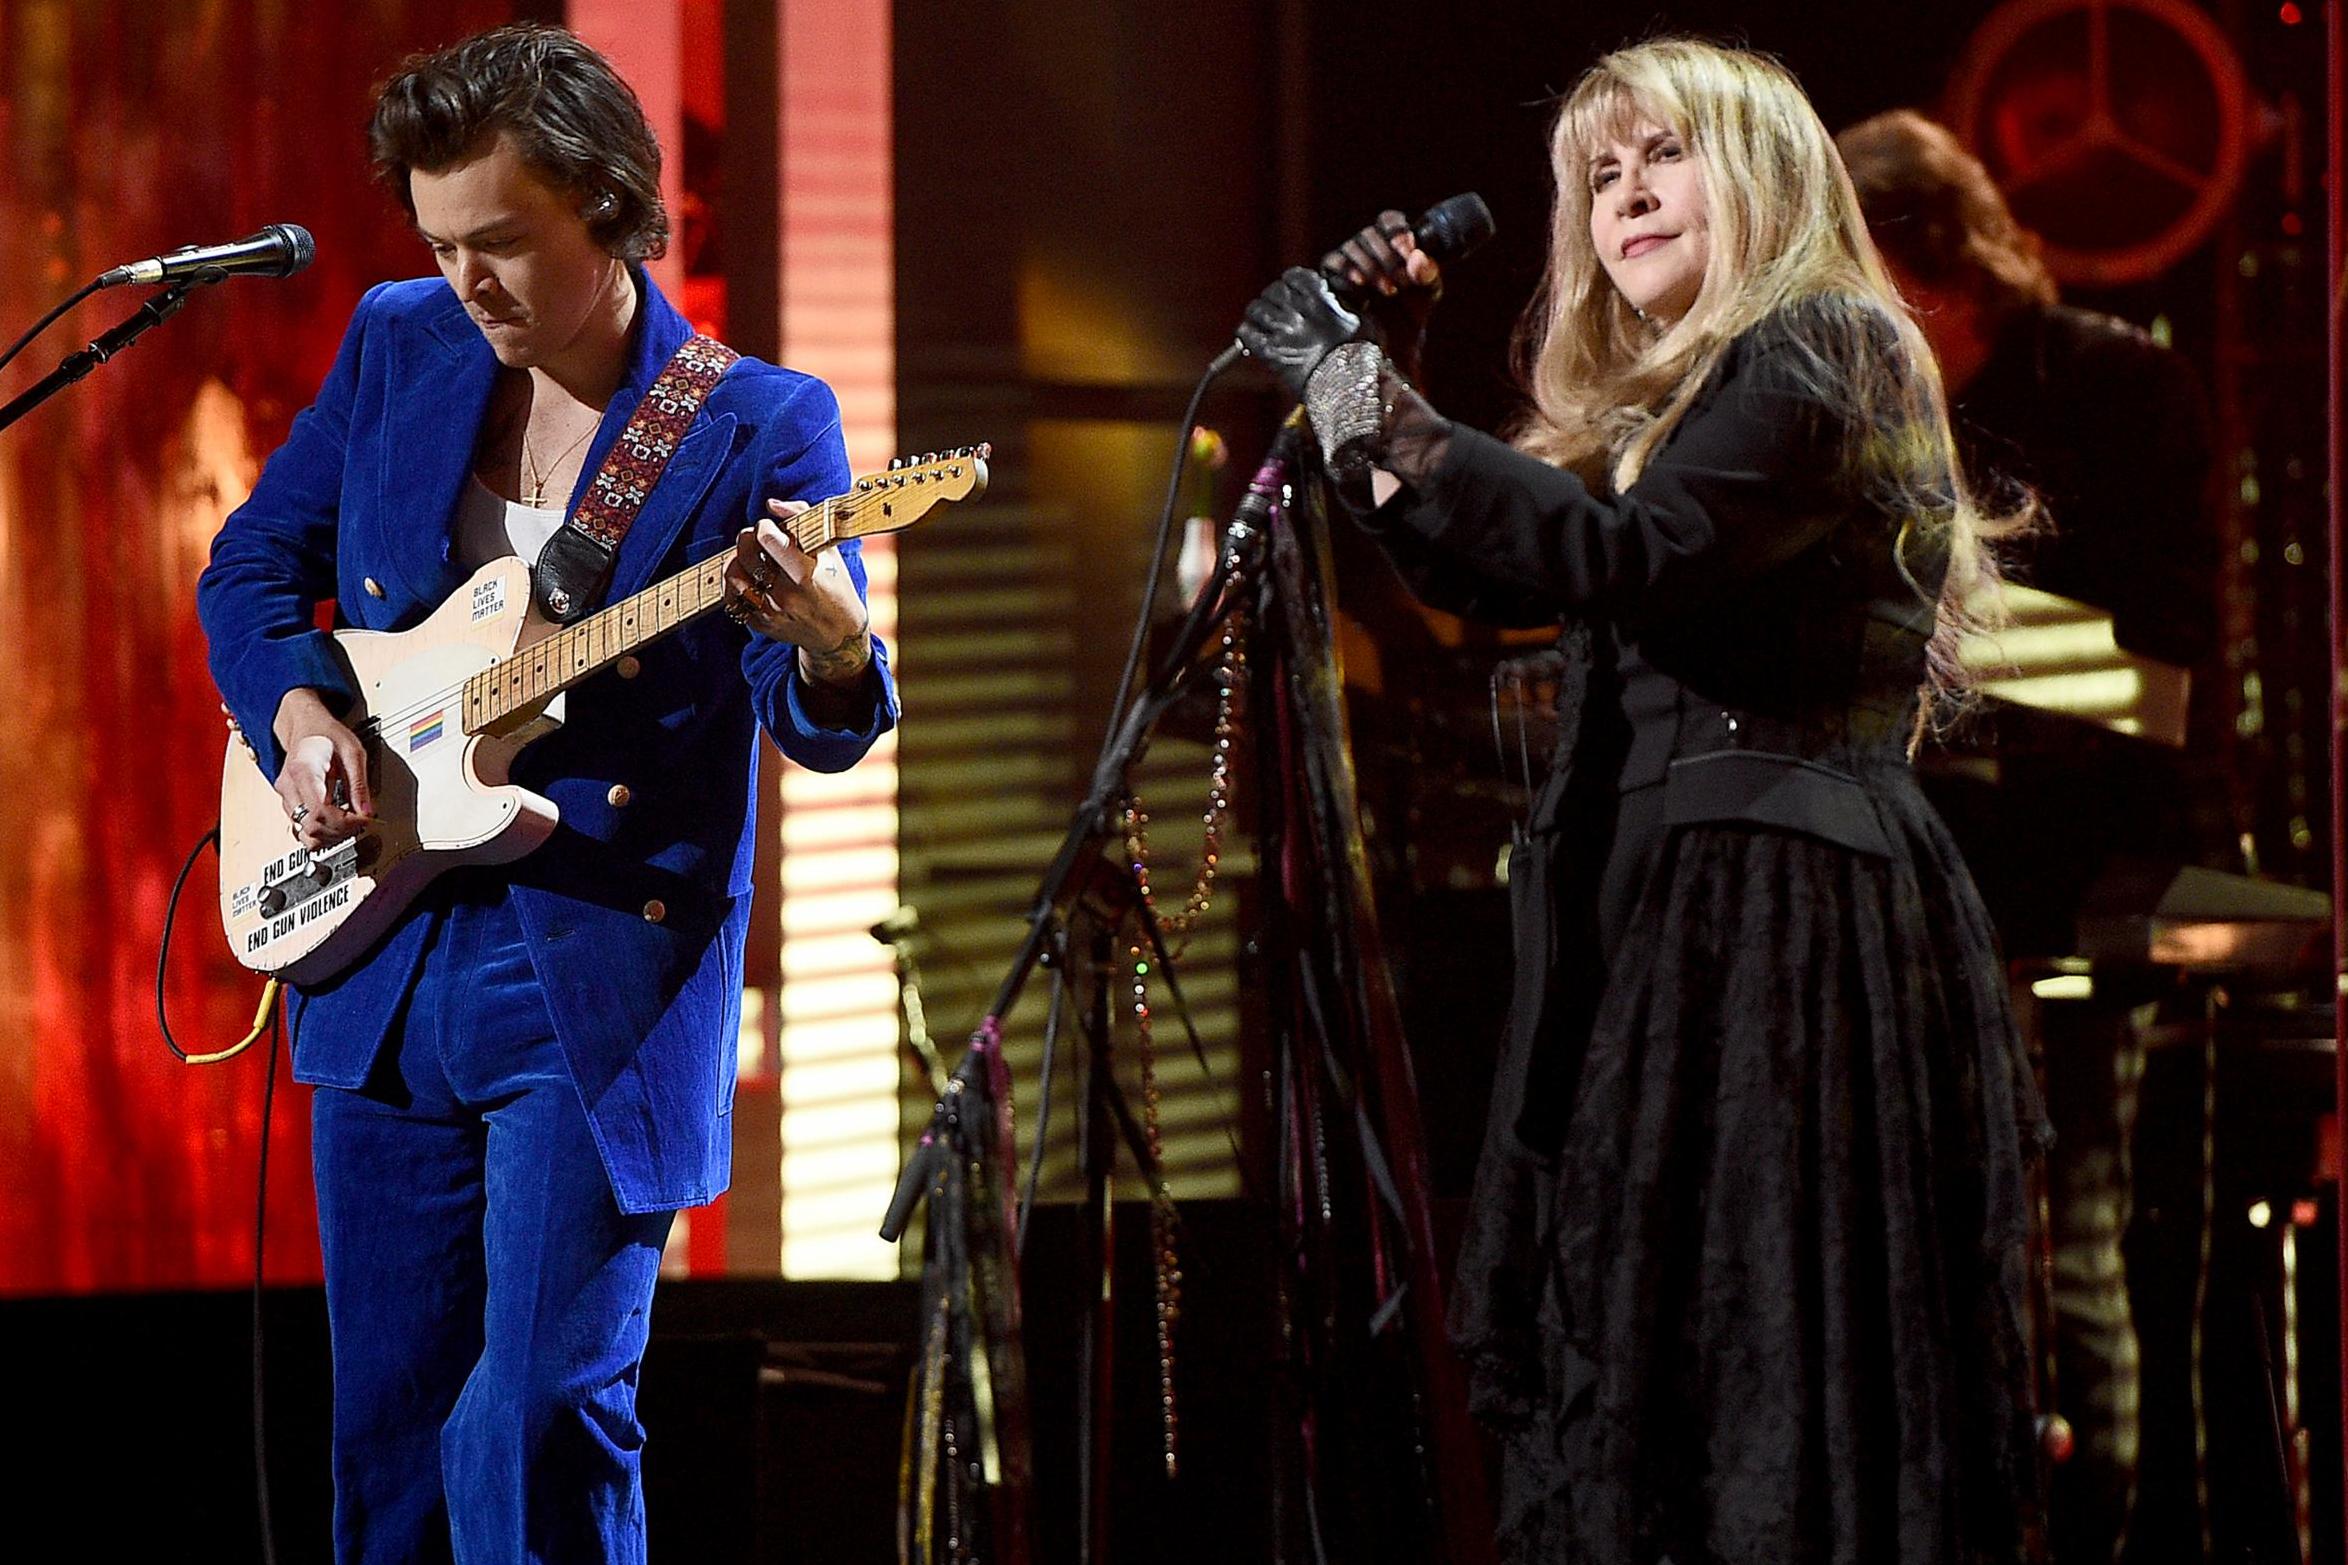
<point x="576" y="564"/>
<point x="570" y="573"/>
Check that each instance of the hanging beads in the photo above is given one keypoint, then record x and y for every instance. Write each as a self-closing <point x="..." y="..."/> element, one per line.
<point x="1177" y="929"/>
<point x="1165" y="1255"/>
<point x="1230" y="675"/>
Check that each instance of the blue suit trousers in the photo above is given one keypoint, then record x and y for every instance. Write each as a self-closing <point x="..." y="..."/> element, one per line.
<point x="489" y="1301"/>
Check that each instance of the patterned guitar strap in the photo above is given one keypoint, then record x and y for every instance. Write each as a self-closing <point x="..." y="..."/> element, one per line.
<point x="575" y="565"/>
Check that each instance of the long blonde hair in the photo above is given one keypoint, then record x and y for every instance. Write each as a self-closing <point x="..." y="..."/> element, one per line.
<point x="1606" y="387"/>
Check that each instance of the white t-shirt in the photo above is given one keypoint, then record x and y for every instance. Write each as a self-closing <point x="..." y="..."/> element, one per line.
<point x="490" y="527"/>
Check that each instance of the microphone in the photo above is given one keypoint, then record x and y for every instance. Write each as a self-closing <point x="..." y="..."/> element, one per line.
<point x="1448" y="231"/>
<point x="280" y="250"/>
<point x="1451" y="230"/>
<point x="898" y="927"/>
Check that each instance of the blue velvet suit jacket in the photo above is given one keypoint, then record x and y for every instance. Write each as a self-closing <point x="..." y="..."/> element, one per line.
<point x="356" y="506"/>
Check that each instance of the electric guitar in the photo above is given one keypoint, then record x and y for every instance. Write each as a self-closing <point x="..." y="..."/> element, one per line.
<point x="445" y="707"/>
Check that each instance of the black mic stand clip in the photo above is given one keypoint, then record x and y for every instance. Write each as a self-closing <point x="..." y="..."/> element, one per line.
<point x="159" y="307"/>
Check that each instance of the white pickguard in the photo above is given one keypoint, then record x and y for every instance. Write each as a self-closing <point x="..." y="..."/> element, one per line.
<point x="441" y="795"/>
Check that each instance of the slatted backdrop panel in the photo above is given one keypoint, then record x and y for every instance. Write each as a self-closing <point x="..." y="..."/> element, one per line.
<point x="784" y="249"/>
<point x="1081" y="216"/>
<point x="997" y="609"/>
<point x="838" y="995"/>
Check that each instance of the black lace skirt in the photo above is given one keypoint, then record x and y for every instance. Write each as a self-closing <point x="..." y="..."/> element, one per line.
<point x="1759" y="1298"/>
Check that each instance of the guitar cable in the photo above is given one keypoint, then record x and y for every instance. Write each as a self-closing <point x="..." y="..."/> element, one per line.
<point x="269" y="1018"/>
<point x="269" y="990"/>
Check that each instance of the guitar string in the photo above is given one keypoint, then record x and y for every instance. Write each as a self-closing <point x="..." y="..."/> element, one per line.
<point x="447" y="693"/>
<point x="842" y="506"/>
<point x="839" y="508"/>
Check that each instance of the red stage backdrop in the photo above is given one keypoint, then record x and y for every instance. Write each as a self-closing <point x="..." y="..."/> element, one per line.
<point x="125" y="131"/>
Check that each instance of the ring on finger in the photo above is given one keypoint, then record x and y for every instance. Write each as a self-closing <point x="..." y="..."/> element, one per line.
<point x="301" y="813"/>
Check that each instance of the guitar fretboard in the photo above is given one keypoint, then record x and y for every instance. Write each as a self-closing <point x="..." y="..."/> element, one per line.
<point x="547" y="668"/>
<point x="881" y="503"/>
<point x="560" y="661"/>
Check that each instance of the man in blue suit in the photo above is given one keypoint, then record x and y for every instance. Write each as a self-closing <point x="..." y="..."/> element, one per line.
<point x="532" y="1070"/>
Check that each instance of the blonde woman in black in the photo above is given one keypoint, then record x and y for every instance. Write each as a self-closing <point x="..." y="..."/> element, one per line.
<point x="1743" y="1277"/>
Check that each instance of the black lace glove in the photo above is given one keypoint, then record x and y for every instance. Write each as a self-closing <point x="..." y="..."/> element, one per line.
<point x="1292" y="325"/>
<point x="1396" y="293"/>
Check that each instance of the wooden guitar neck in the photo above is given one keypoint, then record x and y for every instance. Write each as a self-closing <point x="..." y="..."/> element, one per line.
<point x="881" y="503"/>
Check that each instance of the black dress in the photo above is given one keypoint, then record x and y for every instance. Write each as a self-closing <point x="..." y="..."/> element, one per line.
<point x="1743" y="1275"/>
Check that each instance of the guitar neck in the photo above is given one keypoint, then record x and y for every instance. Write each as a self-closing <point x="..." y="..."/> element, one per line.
<point x="881" y="503"/>
<point x="549" y="667"/>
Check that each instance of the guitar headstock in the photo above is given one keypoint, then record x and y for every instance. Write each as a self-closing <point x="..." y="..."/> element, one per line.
<point x="886" y="502"/>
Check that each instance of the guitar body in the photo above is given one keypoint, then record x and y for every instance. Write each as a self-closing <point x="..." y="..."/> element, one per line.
<point x="444" y="708"/>
<point x="441" y="794"/>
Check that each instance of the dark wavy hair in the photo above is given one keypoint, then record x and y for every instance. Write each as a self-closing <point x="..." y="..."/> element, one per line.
<point x="571" y="116"/>
<point x="1934" y="210"/>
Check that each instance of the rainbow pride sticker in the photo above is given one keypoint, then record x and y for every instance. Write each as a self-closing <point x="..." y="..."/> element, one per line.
<point x="423" y="731"/>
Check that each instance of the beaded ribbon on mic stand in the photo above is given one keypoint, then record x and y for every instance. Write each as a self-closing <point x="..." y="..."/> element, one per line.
<point x="1230" y="675"/>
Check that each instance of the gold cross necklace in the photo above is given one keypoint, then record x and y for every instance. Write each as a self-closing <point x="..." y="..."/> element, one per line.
<point x="534" y="478"/>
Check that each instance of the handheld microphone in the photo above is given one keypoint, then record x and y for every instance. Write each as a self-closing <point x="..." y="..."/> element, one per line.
<point x="1447" y="231"/>
<point x="280" y="250"/>
<point x="1451" y="230"/>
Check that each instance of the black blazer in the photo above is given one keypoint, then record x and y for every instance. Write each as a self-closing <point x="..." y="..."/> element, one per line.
<point x="1755" y="623"/>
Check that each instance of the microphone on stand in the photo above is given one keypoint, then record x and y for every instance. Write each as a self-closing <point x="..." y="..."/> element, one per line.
<point x="280" y="250"/>
<point x="898" y="927"/>
<point x="1447" y="231"/>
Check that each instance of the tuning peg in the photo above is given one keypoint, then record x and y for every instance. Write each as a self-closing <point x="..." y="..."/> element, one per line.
<point x="986" y="448"/>
<point x="863" y="486"/>
<point x="896" y="462"/>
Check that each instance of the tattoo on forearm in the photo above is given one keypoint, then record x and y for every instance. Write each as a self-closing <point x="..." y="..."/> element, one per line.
<point x="838" y="665"/>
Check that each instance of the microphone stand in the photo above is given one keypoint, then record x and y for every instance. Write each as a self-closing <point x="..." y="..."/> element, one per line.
<point x="1381" y="1458"/>
<point x="1095" y="818"/>
<point x="159" y="307"/>
<point x="969" y="1134"/>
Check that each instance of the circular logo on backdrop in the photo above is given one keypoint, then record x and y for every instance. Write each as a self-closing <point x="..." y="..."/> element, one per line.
<point x="2117" y="129"/>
